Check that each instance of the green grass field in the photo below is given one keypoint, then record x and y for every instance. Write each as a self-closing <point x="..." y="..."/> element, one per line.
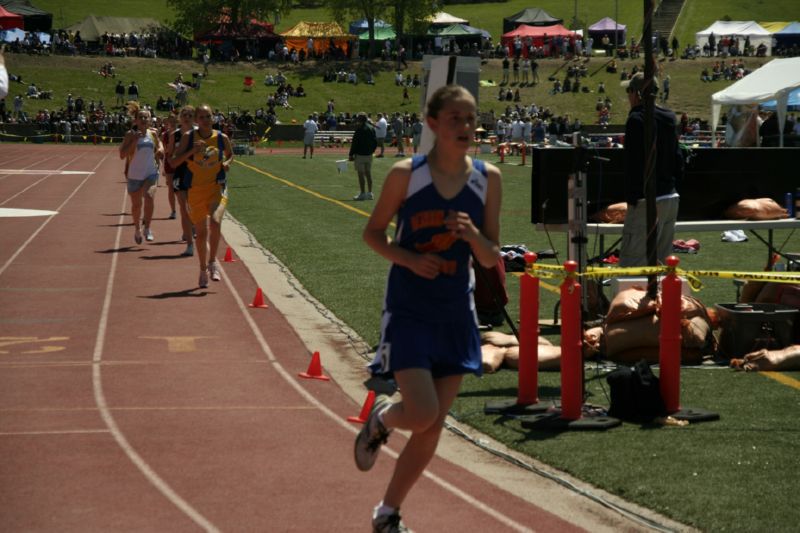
<point x="699" y="475"/>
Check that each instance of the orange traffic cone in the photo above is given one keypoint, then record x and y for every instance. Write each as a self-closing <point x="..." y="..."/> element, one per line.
<point x="229" y="256"/>
<point x="314" y="369"/>
<point x="365" y="410"/>
<point x="258" y="300"/>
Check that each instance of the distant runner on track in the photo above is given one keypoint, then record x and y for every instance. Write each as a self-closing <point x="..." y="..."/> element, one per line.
<point x="208" y="156"/>
<point x="180" y="176"/>
<point x="144" y="151"/>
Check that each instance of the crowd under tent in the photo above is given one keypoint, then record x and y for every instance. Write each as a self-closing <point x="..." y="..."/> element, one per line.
<point x="610" y="27"/>
<point x="250" y="37"/>
<point x="92" y="28"/>
<point x="775" y="80"/>
<point x="736" y="28"/>
<point x="34" y="18"/>
<point x="533" y="16"/>
<point x="537" y="34"/>
<point x="788" y="36"/>
<point x="9" y="20"/>
<point x="323" y="33"/>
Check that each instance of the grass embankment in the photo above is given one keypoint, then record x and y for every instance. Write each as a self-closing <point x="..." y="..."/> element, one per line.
<point x="223" y="89"/>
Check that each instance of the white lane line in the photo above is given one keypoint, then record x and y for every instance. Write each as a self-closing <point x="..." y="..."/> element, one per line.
<point x="36" y="172"/>
<point x="105" y="412"/>
<point x="37" y="182"/>
<point x="40" y="228"/>
<point x="290" y="379"/>
<point x="63" y="432"/>
<point x="13" y="212"/>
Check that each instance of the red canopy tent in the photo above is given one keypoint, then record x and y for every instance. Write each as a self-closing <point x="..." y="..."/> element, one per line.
<point x="536" y="34"/>
<point x="10" y="20"/>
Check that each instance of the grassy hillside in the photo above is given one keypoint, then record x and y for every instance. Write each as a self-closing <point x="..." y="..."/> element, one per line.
<point x="223" y="88"/>
<point x="68" y="12"/>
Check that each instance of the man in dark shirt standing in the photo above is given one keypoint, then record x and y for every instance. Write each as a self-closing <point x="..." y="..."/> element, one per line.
<point x="133" y="91"/>
<point x="361" y="149"/>
<point x="667" y="170"/>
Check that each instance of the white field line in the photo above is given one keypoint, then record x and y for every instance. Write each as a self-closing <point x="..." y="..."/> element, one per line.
<point x="37" y="182"/>
<point x="48" y="219"/>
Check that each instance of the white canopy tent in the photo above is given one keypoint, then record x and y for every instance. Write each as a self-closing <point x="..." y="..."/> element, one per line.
<point x="776" y="80"/>
<point x="445" y="19"/>
<point x="737" y="28"/>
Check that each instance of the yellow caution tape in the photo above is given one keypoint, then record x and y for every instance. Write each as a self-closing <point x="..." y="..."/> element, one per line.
<point x="692" y="276"/>
<point x="552" y="288"/>
<point x="782" y="277"/>
<point x="600" y="272"/>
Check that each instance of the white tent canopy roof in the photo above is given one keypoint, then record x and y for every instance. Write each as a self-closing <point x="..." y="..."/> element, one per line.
<point x="774" y="81"/>
<point x="738" y="28"/>
<point x="446" y="18"/>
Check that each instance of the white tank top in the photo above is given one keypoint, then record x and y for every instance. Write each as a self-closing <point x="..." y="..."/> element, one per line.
<point x="143" y="162"/>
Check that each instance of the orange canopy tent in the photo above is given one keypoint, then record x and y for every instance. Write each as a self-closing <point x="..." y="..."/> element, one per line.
<point x="323" y="33"/>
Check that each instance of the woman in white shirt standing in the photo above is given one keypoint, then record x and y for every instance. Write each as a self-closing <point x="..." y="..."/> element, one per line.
<point x="143" y="150"/>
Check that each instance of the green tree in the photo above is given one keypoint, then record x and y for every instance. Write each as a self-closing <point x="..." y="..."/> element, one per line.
<point x="360" y="9"/>
<point x="410" y="17"/>
<point x="192" y="16"/>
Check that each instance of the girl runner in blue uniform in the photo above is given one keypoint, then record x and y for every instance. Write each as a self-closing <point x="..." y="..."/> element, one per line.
<point x="447" y="207"/>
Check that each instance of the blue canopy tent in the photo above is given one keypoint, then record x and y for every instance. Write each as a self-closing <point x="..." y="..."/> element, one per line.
<point x="362" y="25"/>
<point x="788" y="36"/>
<point x="793" y="104"/>
<point x="11" y="35"/>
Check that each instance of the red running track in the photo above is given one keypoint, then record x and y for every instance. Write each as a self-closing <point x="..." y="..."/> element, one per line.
<point x="132" y="400"/>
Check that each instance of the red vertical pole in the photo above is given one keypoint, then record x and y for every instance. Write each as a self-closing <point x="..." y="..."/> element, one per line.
<point x="524" y="150"/>
<point x="571" y="346"/>
<point x="669" y="353"/>
<point x="502" y="149"/>
<point x="528" y="377"/>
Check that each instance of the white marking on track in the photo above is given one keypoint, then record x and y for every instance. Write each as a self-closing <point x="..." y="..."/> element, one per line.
<point x="26" y="156"/>
<point x="40" y="228"/>
<point x="105" y="412"/>
<point x="37" y="182"/>
<point x="12" y="212"/>
<point x="36" y="172"/>
<point x="476" y="503"/>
